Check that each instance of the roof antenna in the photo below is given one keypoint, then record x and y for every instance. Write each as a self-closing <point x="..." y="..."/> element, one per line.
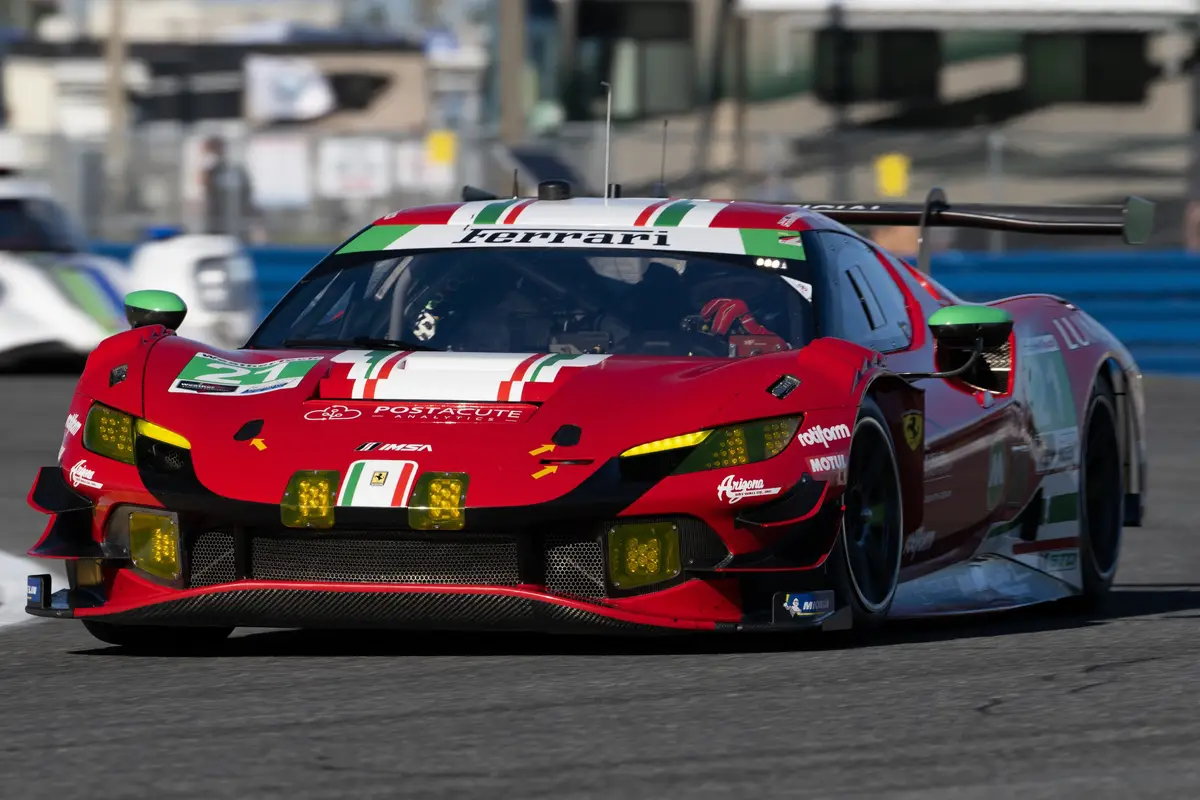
<point x="516" y="185"/>
<point x="607" y="140"/>
<point x="661" y="189"/>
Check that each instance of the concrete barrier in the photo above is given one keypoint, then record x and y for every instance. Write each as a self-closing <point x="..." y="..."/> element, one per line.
<point x="1150" y="299"/>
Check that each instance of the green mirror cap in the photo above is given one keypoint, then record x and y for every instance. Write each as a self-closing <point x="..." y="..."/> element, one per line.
<point x="969" y="315"/>
<point x="155" y="300"/>
<point x="1139" y="220"/>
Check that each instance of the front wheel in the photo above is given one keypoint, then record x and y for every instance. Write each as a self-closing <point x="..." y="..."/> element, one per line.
<point x="865" y="565"/>
<point x="157" y="639"/>
<point x="1101" y="499"/>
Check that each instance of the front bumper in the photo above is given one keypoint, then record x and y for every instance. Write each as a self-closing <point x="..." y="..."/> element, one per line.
<point x="277" y="604"/>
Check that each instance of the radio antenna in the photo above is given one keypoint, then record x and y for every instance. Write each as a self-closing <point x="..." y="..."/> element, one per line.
<point x="662" y="182"/>
<point x="516" y="185"/>
<point x="607" y="139"/>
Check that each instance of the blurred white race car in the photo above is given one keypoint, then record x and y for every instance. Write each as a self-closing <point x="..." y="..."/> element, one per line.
<point x="56" y="299"/>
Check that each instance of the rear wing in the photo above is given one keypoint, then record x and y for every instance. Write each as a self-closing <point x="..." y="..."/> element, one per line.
<point x="1132" y="220"/>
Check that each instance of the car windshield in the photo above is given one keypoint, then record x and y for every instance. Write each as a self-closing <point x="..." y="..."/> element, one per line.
<point x="552" y="300"/>
<point x="36" y="225"/>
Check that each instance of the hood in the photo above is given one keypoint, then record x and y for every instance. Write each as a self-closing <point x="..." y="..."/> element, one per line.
<point x="255" y="417"/>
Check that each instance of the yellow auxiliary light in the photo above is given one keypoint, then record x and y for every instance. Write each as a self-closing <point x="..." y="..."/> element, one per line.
<point x="158" y="432"/>
<point x="109" y="433"/>
<point x="154" y="544"/>
<point x="438" y="502"/>
<point x="309" y="499"/>
<point x="671" y="443"/>
<point x="643" y="553"/>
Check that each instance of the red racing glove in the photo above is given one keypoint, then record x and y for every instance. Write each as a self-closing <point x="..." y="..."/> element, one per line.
<point x="723" y="313"/>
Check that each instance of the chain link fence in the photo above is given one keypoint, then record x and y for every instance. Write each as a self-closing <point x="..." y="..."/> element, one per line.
<point x="307" y="189"/>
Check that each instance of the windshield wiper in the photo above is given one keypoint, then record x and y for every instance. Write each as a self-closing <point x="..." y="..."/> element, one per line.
<point x="360" y="341"/>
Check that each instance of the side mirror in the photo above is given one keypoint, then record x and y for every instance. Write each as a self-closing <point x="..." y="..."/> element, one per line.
<point x="960" y="327"/>
<point x="154" y="307"/>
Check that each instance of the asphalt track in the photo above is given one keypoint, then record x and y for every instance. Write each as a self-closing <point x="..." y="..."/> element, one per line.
<point x="1029" y="705"/>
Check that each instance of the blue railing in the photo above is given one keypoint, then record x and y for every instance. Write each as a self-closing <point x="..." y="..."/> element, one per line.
<point x="1150" y="299"/>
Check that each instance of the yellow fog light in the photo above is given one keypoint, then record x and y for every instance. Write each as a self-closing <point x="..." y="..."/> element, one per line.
<point x="152" y="431"/>
<point x="154" y="544"/>
<point x="642" y="554"/>
<point x="109" y="433"/>
<point x="309" y="499"/>
<point x="438" y="502"/>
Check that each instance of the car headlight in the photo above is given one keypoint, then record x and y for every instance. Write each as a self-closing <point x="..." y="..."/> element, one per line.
<point x="731" y="446"/>
<point x="113" y="434"/>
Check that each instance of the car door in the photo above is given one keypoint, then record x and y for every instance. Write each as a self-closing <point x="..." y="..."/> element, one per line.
<point x="967" y="444"/>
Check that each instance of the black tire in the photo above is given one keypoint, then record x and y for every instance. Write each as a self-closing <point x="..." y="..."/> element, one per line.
<point x="865" y="565"/>
<point x="156" y="639"/>
<point x="1101" y="498"/>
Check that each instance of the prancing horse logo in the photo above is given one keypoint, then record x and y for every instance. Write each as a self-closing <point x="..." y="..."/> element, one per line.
<point x="914" y="428"/>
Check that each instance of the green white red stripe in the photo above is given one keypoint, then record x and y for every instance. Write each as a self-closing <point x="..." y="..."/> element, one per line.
<point x="378" y="484"/>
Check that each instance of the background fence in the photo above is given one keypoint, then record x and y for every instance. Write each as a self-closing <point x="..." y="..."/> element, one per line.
<point x="1150" y="300"/>
<point x="310" y="189"/>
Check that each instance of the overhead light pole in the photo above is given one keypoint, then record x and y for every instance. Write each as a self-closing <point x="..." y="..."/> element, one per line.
<point x="117" y="144"/>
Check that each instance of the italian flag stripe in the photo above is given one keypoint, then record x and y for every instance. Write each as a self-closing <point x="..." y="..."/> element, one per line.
<point x="352" y="481"/>
<point x="491" y="212"/>
<point x="548" y="361"/>
<point x="673" y="214"/>
<point x="517" y="209"/>
<point x="647" y="212"/>
<point x="378" y="237"/>
<point x="403" y="484"/>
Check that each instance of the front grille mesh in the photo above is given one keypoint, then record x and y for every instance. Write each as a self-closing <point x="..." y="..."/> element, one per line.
<point x="212" y="559"/>
<point x="484" y="562"/>
<point x="574" y="567"/>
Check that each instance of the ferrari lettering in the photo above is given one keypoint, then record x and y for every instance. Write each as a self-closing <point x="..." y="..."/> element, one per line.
<point x="82" y="476"/>
<point x="733" y="489"/>
<point x="827" y="463"/>
<point x="551" y="236"/>
<point x="823" y="436"/>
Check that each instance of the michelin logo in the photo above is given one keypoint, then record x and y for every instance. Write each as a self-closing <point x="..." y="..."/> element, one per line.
<point x="823" y="436"/>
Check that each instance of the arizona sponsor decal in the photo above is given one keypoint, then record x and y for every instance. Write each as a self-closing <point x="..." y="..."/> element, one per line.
<point x="333" y="413"/>
<point x="733" y="490"/>
<point x="821" y="464"/>
<point x="564" y="237"/>
<point x="378" y="484"/>
<point x="823" y="436"/>
<point x="389" y="447"/>
<point x="913" y="423"/>
<point x="209" y="374"/>
<point x="80" y="475"/>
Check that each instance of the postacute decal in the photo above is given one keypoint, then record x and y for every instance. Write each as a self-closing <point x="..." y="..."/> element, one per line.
<point x="808" y="605"/>
<point x="566" y="237"/>
<point x="733" y="490"/>
<point x="918" y="541"/>
<point x="823" y="436"/>
<point x="450" y="413"/>
<point x="73" y="424"/>
<point x="333" y="413"/>
<point x="914" y="428"/>
<point x="388" y="447"/>
<point x="80" y="475"/>
<point x="209" y="374"/>
<point x="378" y="484"/>
<point x="821" y="464"/>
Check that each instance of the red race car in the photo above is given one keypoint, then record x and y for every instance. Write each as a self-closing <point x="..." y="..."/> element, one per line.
<point x="616" y="414"/>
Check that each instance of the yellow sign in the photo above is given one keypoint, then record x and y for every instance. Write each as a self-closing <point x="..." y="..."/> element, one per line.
<point x="546" y="448"/>
<point x="378" y="478"/>
<point x="440" y="147"/>
<point x="544" y="471"/>
<point x="259" y="443"/>
<point x="891" y="175"/>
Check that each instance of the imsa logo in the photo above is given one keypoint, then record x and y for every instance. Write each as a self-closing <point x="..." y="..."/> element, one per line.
<point x="384" y="447"/>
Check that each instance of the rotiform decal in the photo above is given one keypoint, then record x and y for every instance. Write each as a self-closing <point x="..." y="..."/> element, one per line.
<point x="823" y="436"/>
<point x="564" y="236"/>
